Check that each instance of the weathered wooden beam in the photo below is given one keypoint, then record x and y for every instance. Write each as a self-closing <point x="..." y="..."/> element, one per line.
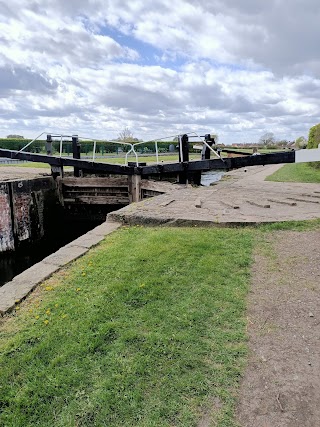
<point x="90" y="167"/>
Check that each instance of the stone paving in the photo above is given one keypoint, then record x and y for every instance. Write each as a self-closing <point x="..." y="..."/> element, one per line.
<point x="242" y="197"/>
<point x="13" y="173"/>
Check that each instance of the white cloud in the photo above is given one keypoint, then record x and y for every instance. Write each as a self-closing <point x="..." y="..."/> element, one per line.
<point x="239" y="68"/>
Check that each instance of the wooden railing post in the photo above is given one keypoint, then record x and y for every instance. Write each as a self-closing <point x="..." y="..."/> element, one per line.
<point x="49" y="145"/>
<point x="134" y="184"/>
<point x="76" y="153"/>
<point x="55" y="170"/>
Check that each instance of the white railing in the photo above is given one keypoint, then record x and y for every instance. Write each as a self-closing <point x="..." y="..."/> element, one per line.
<point x="132" y="146"/>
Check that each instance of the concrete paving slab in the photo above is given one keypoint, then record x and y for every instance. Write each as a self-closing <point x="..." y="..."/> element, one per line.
<point x="106" y="228"/>
<point x="64" y="255"/>
<point x="21" y="285"/>
<point x="86" y="241"/>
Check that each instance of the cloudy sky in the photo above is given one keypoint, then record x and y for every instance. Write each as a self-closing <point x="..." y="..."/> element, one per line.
<point x="160" y="67"/>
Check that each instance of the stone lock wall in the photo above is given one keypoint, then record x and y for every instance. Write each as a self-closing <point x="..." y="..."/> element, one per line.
<point x="6" y="229"/>
<point x="22" y="207"/>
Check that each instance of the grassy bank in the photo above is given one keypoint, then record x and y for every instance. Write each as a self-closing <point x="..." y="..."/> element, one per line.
<point x="148" y="329"/>
<point x="296" y="172"/>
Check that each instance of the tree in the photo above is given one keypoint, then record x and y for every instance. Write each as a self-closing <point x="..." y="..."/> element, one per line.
<point x="15" y="137"/>
<point x="314" y="141"/>
<point x="126" y="136"/>
<point x="301" y="142"/>
<point x="267" y="139"/>
<point x="314" y="136"/>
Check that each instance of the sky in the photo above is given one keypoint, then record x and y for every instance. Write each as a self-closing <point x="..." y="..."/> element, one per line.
<point x="160" y="67"/>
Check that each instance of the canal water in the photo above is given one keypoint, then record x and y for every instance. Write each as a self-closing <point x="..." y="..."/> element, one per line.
<point x="62" y="233"/>
<point x="210" y="177"/>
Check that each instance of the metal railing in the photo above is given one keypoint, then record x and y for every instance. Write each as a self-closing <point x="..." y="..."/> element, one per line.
<point x="132" y="146"/>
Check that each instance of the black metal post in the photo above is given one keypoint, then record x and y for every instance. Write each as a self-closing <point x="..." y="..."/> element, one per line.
<point x="49" y="145"/>
<point x="183" y="157"/>
<point x="76" y="153"/>
<point x="206" y="152"/>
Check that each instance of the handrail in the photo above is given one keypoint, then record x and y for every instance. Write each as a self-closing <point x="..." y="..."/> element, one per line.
<point x="131" y="146"/>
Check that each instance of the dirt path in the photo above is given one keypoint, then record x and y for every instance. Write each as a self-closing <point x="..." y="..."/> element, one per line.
<point x="281" y="386"/>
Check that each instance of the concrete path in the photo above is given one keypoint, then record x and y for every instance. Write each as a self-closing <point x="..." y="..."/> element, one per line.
<point x="13" y="173"/>
<point x="20" y="286"/>
<point x="242" y="197"/>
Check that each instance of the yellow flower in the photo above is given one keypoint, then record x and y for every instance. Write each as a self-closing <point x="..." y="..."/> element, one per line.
<point x="17" y="308"/>
<point x="48" y="312"/>
<point x="37" y="317"/>
<point x="64" y="316"/>
<point x="83" y="273"/>
<point x="48" y="288"/>
<point x="56" y="305"/>
<point x="46" y="322"/>
<point x="78" y="289"/>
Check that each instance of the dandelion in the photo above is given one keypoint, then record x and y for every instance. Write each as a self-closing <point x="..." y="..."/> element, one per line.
<point x="83" y="273"/>
<point x="30" y="311"/>
<point x="48" y="288"/>
<point x="48" y="312"/>
<point x="56" y="305"/>
<point x="17" y="308"/>
<point x="46" y="322"/>
<point x="78" y="289"/>
<point x="37" y="317"/>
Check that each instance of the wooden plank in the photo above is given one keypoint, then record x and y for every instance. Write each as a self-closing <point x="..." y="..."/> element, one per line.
<point x="87" y="166"/>
<point x="303" y="200"/>
<point x="229" y="205"/>
<point x="198" y="203"/>
<point x="95" y="182"/>
<point x="282" y="202"/>
<point x="259" y="205"/>
<point x="98" y="200"/>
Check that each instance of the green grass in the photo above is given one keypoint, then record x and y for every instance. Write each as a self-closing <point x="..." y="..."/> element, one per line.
<point x="147" y="329"/>
<point x="296" y="172"/>
<point x="112" y="160"/>
<point x="27" y="165"/>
